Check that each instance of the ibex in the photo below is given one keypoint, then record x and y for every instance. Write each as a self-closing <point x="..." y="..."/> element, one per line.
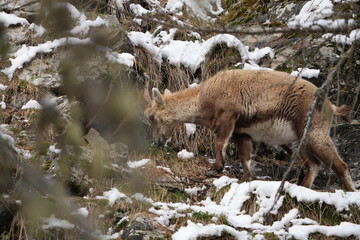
<point x="246" y="105"/>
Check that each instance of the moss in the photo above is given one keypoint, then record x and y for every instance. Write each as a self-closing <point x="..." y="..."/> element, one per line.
<point x="160" y="152"/>
<point x="322" y="213"/>
<point x="284" y="68"/>
<point x="319" y="236"/>
<point x="202" y="216"/>
<point x="15" y="130"/>
<point x="270" y="236"/>
<point x="243" y="11"/>
<point x="120" y="226"/>
<point x="178" y="196"/>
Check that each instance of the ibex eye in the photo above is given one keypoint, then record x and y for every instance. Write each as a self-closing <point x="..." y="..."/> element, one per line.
<point x="152" y="118"/>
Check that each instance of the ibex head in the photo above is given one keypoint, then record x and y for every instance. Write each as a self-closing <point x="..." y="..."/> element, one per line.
<point x="159" y="116"/>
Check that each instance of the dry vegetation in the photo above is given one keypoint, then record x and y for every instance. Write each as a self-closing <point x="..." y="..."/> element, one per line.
<point x="46" y="127"/>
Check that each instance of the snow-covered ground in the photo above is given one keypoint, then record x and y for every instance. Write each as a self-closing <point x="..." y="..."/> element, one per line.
<point x="163" y="46"/>
<point x="292" y="224"/>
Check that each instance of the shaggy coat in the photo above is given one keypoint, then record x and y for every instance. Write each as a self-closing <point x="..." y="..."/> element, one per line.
<point x="246" y="105"/>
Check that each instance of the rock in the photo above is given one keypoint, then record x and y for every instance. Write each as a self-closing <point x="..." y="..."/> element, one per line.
<point x="93" y="138"/>
<point x="8" y="210"/>
<point x="22" y="8"/>
<point x="348" y="142"/>
<point x="143" y="227"/>
<point x="119" y="153"/>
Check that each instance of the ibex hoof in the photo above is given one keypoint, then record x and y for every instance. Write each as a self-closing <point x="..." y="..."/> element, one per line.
<point x="211" y="173"/>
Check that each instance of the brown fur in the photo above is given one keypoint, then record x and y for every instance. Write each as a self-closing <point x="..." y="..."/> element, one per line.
<point x="245" y="105"/>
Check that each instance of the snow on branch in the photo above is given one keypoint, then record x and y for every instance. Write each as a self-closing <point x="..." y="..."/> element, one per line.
<point x="11" y="19"/>
<point x="313" y="14"/>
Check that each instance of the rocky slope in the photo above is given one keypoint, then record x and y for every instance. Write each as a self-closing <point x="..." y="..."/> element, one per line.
<point x="72" y="132"/>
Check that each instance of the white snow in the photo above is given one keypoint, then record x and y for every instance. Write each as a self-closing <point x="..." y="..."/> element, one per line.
<point x="184" y="154"/>
<point x="11" y="19"/>
<point x="26" y="153"/>
<point x="165" y="169"/>
<point x="9" y="140"/>
<point x="84" y="26"/>
<point x="137" y="164"/>
<point x="290" y="225"/>
<point x="55" y="150"/>
<point x="27" y="53"/>
<point x="223" y="181"/>
<point x="313" y="14"/>
<point x="194" y="230"/>
<point x="191" y="54"/>
<point x="306" y="72"/>
<point x="126" y="59"/>
<point x="120" y="3"/>
<point x="39" y="30"/>
<point x="139" y="10"/>
<point x="194" y="190"/>
<point x="82" y="212"/>
<point x="193" y="85"/>
<point x="2" y="103"/>
<point x="313" y="10"/>
<point x="53" y="222"/>
<point x="190" y="129"/>
<point x="200" y="8"/>
<point x="31" y="104"/>
<point x="343" y="39"/>
<point x="254" y="66"/>
<point x="343" y="230"/>
<point x="112" y="196"/>
<point x="3" y="87"/>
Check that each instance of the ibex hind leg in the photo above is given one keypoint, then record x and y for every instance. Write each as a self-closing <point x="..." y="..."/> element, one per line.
<point x="312" y="166"/>
<point x="243" y="143"/>
<point x="223" y="131"/>
<point x="323" y="148"/>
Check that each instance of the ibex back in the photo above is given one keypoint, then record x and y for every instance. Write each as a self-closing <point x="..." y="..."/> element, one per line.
<point x="246" y="105"/>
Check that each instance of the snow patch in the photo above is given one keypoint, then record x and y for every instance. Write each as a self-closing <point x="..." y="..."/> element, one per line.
<point x="39" y="30"/>
<point x="313" y="14"/>
<point x="31" y="104"/>
<point x="306" y="72"/>
<point x="223" y="181"/>
<point x="191" y="54"/>
<point x="82" y="212"/>
<point x="184" y="154"/>
<point x="11" y="19"/>
<point x="55" y="150"/>
<point x="53" y="222"/>
<point x="195" y="230"/>
<point x="200" y="8"/>
<point x="3" y="87"/>
<point x="194" y="190"/>
<point x="137" y="164"/>
<point x="190" y="129"/>
<point x="112" y="196"/>
<point x="26" y="54"/>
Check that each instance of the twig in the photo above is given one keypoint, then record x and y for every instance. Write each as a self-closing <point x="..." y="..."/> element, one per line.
<point x="319" y="99"/>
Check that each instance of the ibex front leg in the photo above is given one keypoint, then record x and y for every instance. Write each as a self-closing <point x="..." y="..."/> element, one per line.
<point x="224" y="128"/>
<point x="243" y="143"/>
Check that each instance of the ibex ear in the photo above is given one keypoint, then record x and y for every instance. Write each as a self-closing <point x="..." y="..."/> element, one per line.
<point x="157" y="97"/>
<point x="167" y="92"/>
